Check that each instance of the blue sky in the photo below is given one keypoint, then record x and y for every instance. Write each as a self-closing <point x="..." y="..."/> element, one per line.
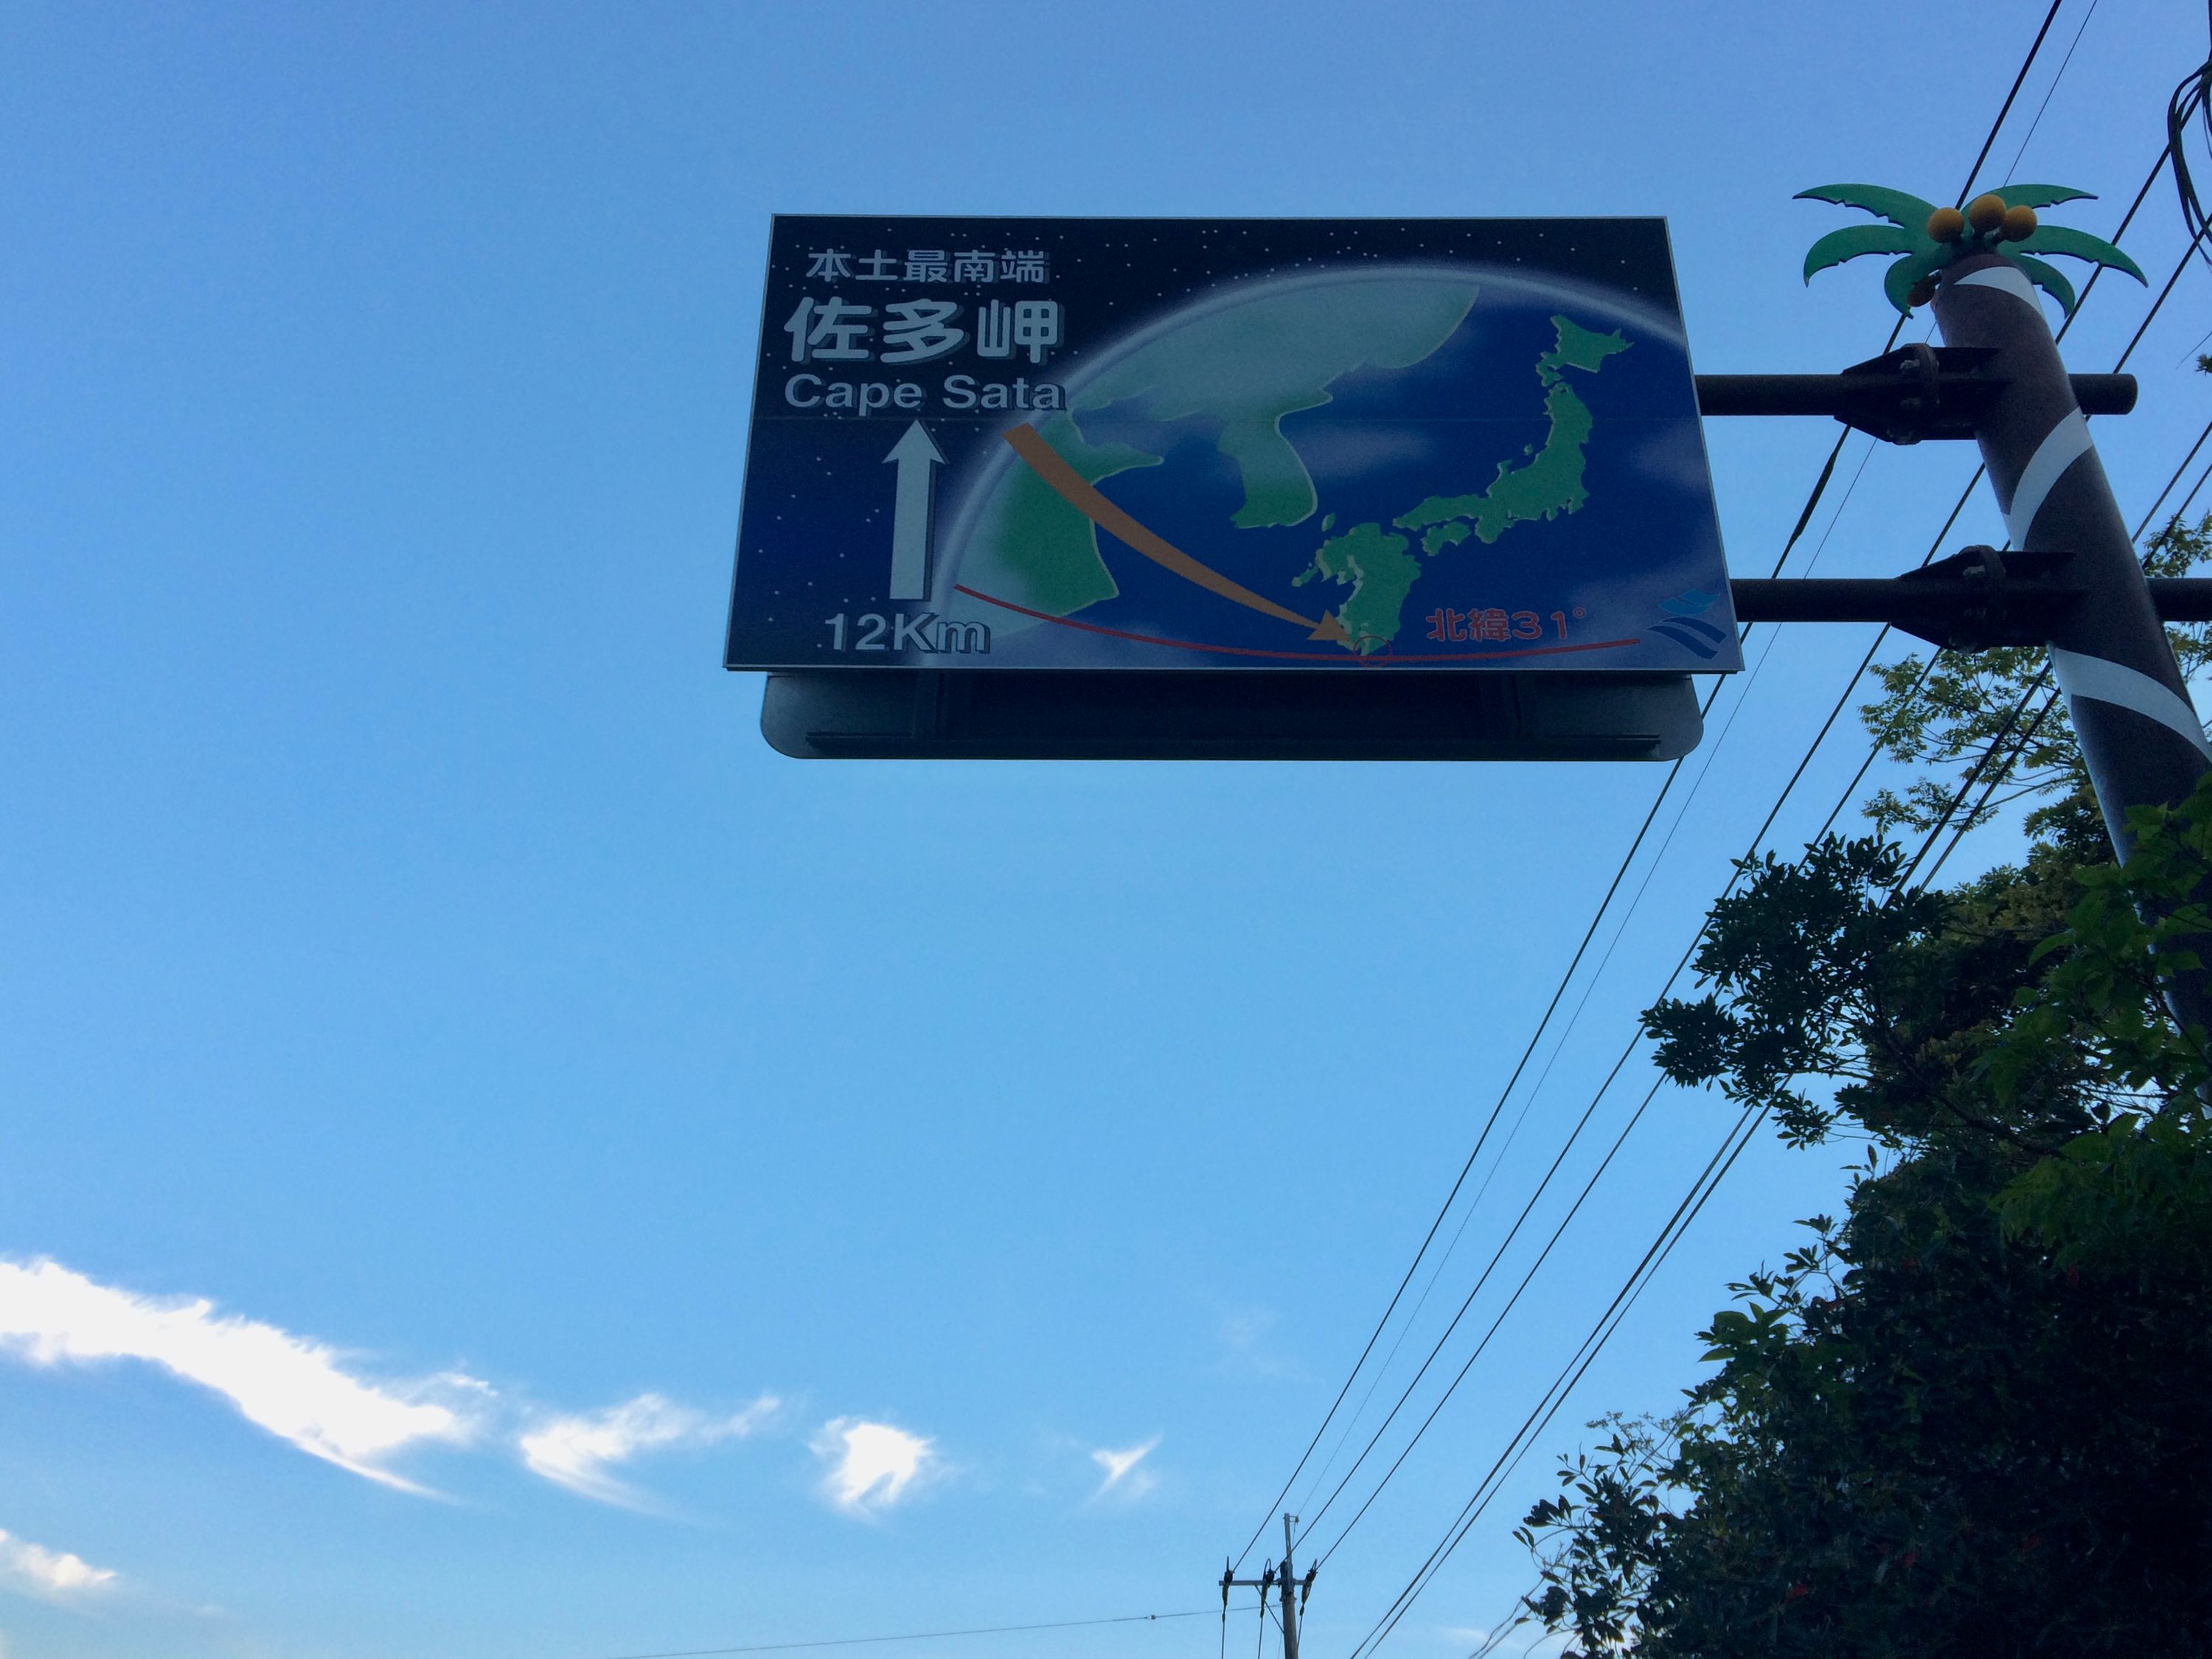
<point x="498" y="1163"/>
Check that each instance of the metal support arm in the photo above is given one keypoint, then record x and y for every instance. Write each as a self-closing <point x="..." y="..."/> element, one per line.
<point x="1902" y="397"/>
<point x="1972" y="601"/>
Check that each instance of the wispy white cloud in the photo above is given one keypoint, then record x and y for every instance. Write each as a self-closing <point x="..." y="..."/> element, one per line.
<point x="1243" y="1339"/>
<point x="871" y="1465"/>
<point x="55" y="1574"/>
<point x="579" y="1451"/>
<point x="295" y="1387"/>
<point x="1123" y="1478"/>
<point x="312" y="1396"/>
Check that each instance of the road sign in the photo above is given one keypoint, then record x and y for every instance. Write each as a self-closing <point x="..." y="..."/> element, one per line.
<point x="1167" y="445"/>
<point x="1042" y="714"/>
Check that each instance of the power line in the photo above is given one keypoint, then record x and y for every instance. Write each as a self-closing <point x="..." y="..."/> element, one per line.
<point x="1732" y="1143"/>
<point x="1543" y="1024"/>
<point x="1732" y="1147"/>
<point x="1529" y="1101"/>
<point x="1549" y="1403"/>
<point x="2029" y="136"/>
<point x="1789" y="788"/>
<point x="918" y="1635"/>
<point x="1514" y="1231"/>
<point x="2050" y="702"/>
<point x="1905" y="876"/>
<point x="1803" y="521"/>
<point x="2202" y="478"/>
<point x="1667" y="784"/>
<point x="2159" y="304"/>
<point x="1798" y="774"/>
<point x="2175" y="478"/>
<point x="2005" y="109"/>
<point x="1465" y="1520"/>
<point x="1739" y="1134"/>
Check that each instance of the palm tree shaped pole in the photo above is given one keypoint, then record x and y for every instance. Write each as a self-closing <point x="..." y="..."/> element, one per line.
<point x="2140" y="735"/>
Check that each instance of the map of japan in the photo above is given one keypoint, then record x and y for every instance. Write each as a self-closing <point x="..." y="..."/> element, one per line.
<point x="1237" y="372"/>
<point x="1381" y="569"/>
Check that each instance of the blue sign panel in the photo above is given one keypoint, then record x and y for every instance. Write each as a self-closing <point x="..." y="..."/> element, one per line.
<point x="1281" y="444"/>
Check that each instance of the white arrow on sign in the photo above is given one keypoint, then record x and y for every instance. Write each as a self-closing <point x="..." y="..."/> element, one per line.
<point x="912" y="530"/>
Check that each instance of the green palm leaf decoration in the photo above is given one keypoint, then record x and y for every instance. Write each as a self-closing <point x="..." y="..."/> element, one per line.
<point x="1929" y="238"/>
<point x="2056" y="238"/>
<point x="2048" y="280"/>
<point x="1903" y="280"/>
<point x="1909" y="212"/>
<point x="2036" y="195"/>
<point x="1839" y="245"/>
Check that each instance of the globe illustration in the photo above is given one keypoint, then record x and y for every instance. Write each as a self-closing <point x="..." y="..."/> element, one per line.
<point x="1387" y="465"/>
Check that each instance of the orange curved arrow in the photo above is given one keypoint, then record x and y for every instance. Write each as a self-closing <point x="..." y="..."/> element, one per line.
<point x="1071" y="487"/>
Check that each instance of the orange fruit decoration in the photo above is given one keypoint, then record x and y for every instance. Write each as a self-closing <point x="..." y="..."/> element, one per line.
<point x="1985" y="213"/>
<point x="1946" y="225"/>
<point x="2018" y="224"/>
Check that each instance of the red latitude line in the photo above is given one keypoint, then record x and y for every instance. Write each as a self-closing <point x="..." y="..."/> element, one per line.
<point x="1386" y="660"/>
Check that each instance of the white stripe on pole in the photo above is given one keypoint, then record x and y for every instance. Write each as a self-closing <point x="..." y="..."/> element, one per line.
<point x="2005" y="280"/>
<point x="2108" y="682"/>
<point x="2063" y="445"/>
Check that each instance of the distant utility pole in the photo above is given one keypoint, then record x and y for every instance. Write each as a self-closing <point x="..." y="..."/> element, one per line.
<point x="1288" y="1604"/>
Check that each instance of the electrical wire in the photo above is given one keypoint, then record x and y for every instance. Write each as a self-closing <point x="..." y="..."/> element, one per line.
<point x="1733" y="1144"/>
<point x="1904" y="876"/>
<point x="1548" y="1404"/>
<point x="1628" y="859"/>
<point x="2190" y="99"/>
<point x="1789" y="788"/>
<point x="1828" y="470"/>
<point x="1849" y="792"/>
<point x="2012" y="171"/>
<point x="1513" y="1232"/>
<point x="1529" y="1101"/>
<point x="2202" y="478"/>
<point x="2050" y="704"/>
<point x="2159" y="304"/>
<point x="2175" y="478"/>
<point x="1743" y="689"/>
<point x="2005" y="108"/>
<point x="1470" y="1514"/>
<point x="1804" y="518"/>
<point x="916" y="1636"/>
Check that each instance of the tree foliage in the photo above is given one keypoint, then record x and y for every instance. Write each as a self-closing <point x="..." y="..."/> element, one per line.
<point x="1940" y="715"/>
<point x="1973" y="1416"/>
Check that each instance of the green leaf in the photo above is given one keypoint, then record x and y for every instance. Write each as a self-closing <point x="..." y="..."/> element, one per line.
<point x="2036" y="195"/>
<point x="1839" y="245"/>
<point x="2080" y="244"/>
<point x="1894" y="205"/>
<point x="2045" y="278"/>
<point x="1906" y="271"/>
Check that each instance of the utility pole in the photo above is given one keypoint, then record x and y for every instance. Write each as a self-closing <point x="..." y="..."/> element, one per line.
<point x="2140" y="740"/>
<point x="1289" y="1605"/>
<point x="2140" y="735"/>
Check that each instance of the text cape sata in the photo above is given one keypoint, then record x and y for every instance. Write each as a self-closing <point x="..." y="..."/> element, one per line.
<point x="958" y="392"/>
